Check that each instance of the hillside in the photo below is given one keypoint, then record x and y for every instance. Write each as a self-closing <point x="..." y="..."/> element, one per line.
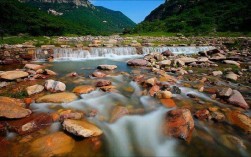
<point x="51" y="17"/>
<point x="199" y="16"/>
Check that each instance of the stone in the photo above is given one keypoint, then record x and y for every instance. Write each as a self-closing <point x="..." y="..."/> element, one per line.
<point x="137" y="62"/>
<point x="118" y="112"/>
<point x="33" y="66"/>
<point x="108" y="88"/>
<point x="54" y="86"/>
<point x="176" y="90"/>
<point x="217" y="73"/>
<point x="57" y="98"/>
<point x="165" y="63"/>
<point x="218" y="57"/>
<point x="168" y="103"/>
<point x="153" y="90"/>
<point x="179" y="123"/>
<point x="55" y="144"/>
<point x="102" y="83"/>
<point x="225" y="92"/>
<point x="167" y="53"/>
<point x="241" y="120"/>
<point x="30" y="124"/>
<point x="81" y="128"/>
<point x="237" y="99"/>
<point x="98" y="74"/>
<point x="151" y="81"/>
<point x="83" y="89"/>
<point x="12" y="108"/>
<point x="232" y="76"/>
<point x="34" y="89"/>
<point x="13" y="75"/>
<point x="203" y="59"/>
<point x="188" y="60"/>
<point x="50" y="72"/>
<point x="218" y="116"/>
<point x="69" y="114"/>
<point x="179" y="63"/>
<point x="164" y="95"/>
<point x="202" y="114"/>
<point x="232" y="142"/>
<point x="107" y="67"/>
<point x="231" y="62"/>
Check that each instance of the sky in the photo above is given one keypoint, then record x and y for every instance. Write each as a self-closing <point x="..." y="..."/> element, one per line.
<point x="136" y="10"/>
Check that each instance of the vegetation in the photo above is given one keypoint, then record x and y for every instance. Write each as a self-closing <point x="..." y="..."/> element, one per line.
<point x="199" y="17"/>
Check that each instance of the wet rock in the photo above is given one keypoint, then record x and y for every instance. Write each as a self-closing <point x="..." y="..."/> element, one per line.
<point x="231" y="62"/>
<point x="50" y="72"/>
<point x="102" y="83"/>
<point x="137" y="62"/>
<point x="232" y="142"/>
<point x="225" y="92"/>
<point x="139" y="78"/>
<point x="153" y="90"/>
<point x="118" y="112"/>
<point x="98" y="74"/>
<point x="202" y="114"/>
<point x="237" y="99"/>
<point x="168" y="103"/>
<point x="34" y="89"/>
<point x="33" y="66"/>
<point x="83" y="89"/>
<point x="167" y="53"/>
<point x="108" y="88"/>
<point x="69" y="114"/>
<point x="30" y="124"/>
<point x="81" y="128"/>
<point x="12" y="108"/>
<point x="218" y="116"/>
<point x="56" y="144"/>
<point x="232" y="76"/>
<point x="179" y="123"/>
<point x="13" y="75"/>
<point x="176" y="90"/>
<point x="179" y="63"/>
<point x="107" y="67"/>
<point x="54" y="86"/>
<point x="57" y="98"/>
<point x="217" y="73"/>
<point x="241" y="120"/>
<point x="151" y="81"/>
<point x="164" y="95"/>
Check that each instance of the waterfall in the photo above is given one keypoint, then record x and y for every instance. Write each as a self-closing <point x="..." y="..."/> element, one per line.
<point x="177" y="50"/>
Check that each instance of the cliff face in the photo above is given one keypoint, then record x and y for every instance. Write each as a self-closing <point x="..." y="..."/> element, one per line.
<point x="84" y="3"/>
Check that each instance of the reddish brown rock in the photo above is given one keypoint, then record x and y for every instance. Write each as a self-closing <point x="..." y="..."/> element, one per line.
<point x="202" y="114"/>
<point x="118" y="112"/>
<point x="153" y="90"/>
<point x="108" y="88"/>
<point x="83" y="89"/>
<point x="241" y="120"/>
<point x="98" y="74"/>
<point x="102" y="83"/>
<point x="3" y="128"/>
<point x="137" y="62"/>
<point x="168" y="103"/>
<point x="179" y="123"/>
<point x="30" y="124"/>
<point x="139" y="78"/>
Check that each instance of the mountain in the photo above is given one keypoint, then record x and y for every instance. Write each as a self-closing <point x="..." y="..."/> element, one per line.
<point x="60" y="17"/>
<point x="199" y="16"/>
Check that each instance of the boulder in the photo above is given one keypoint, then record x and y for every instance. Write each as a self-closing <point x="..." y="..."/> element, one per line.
<point x="12" y="108"/>
<point x="164" y="95"/>
<point x="218" y="57"/>
<point x="168" y="103"/>
<point x="55" y="144"/>
<point x="232" y="76"/>
<point x="13" y="75"/>
<point x="237" y="99"/>
<point x="83" y="89"/>
<point x="179" y="123"/>
<point x="33" y="66"/>
<point x="217" y="73"/>
<point x="118" y="112"/>
<point x="165" y="63"/>
<point x="54" y="86"/>
<point x="203" y="59"/>
<point x="81" y="128"/>
<point x="202" y="114"/>
<point x="137" y="62"/>
<point x="167" y="53"/>
<point x="50" y="72"/>
<point x="225" y="92"/>
<point x="98" y="74"/>
<point x="151" y="81"/>
<point x="153" y="90"/>
<point x="102" y="83"/>
<point x="107" y="67"/>
<point x="57" y="98"/>
<point x="34" y="89"/>
<point x="231" y="62"/>
<point x="218" y="116"/>
<point x="108" y="88"/>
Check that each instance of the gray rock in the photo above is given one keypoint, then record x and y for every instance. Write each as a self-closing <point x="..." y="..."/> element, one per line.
<point x="237" y="99"/>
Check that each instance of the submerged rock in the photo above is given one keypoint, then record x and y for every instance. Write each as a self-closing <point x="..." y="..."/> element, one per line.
<point x="237" y="99"/>
<point x="12" y="75"/>
<point x="12" y="108"/>
<point x="57" y="98"/>
<point x="81" y="128"/>
<point x="107" y="67"/>
<point x="34" y="89"/>
<point x="118" y="112"/>
<point x="54" y="86"/>
<point x="83" y="89"/>
<point x="164" y="95"/>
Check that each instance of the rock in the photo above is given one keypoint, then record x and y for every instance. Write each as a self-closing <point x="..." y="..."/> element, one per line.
<point x="237" y="99"/>
<point x="164" y="95"/>
<point x="217" y="73"/>
<point x="50" y="72"/>
<point x="165" y="63"/>
<point x="218" y="116"/>
<point x="118" y="112"/>
<point x="168" y="103"/>
<point x="218" y="57"/>
<point x="188" y="60"/>
<point x="179" y="63"/>
<point x="179" y="123"/>
<point x="241" y="120"/>
<point x="137" y="62"/>
<point x="232" y="142"/>
<point x="214" y="51"/>
<point x="34" y="89"/>
<point x="98" y="74"/>
<point x="153" y="90"/>
<point x="139" y="78"/>
<point x="13" y="75"/>
<point x="225" y="92"/>
<point x="33" y="66"/>
<point x="30" y="124"/>
<point x="4" y="84"/>
<point x="81" y="128"/>
<point x="202" y="114"/>
<point x="102" y="83"/>
<point x="232" y="76"/>
<point x="231" y="62"/>
<point x="57" y="98"/>
<point x="176" y="90"/>
<point x="151" y="81"/>
<point x="55" y="144"/>
<point x="69" y="114"/>
<point x="108" y="88"/>
<point x="167" y="53"/>
<point x="54" y="86"/>
<point x="203" y="59"/>
<point x="12" y="108"/>
<point x="190" y="71"/>
<point x="83" y="89"/>
<point x="107" y="67"/>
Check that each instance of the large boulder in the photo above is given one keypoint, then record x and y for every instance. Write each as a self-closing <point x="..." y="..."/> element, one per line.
<point x="56" y="144"/>
<point x="12" y="75"/>
<point x="83" y="89"/>
<point x="34" y="89"/>
<point x="137" y="62"/>
<point x="54" y="86"/>
<point x="237" y="99"/>
<point x="12" y="108"/>
<point x="107" y="67"/>
<point x="33" y="66"/>
<point x="57" y="98"/>
<point x="81" y="128"/>
<point x="179" y="123"/>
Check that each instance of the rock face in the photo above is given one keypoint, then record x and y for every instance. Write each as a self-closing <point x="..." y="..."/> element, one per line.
<point x="83" y="89"/>
<point x="237" y="99"/>
<point x="34" y="89"/>
<point x="137" y="62"/>
<point x="12" y="75"/>
<point x="54" y="86"/>
<point x="164" y="95"/>
<point x="33" y="66"/>
<point x="11" y="108"/>
<point x="179" y="123"/>
<point x="107" y="67"/>
<point x="57" y="98"/>
<point x="56" y="144"/>
<point x="81" y="128"/>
